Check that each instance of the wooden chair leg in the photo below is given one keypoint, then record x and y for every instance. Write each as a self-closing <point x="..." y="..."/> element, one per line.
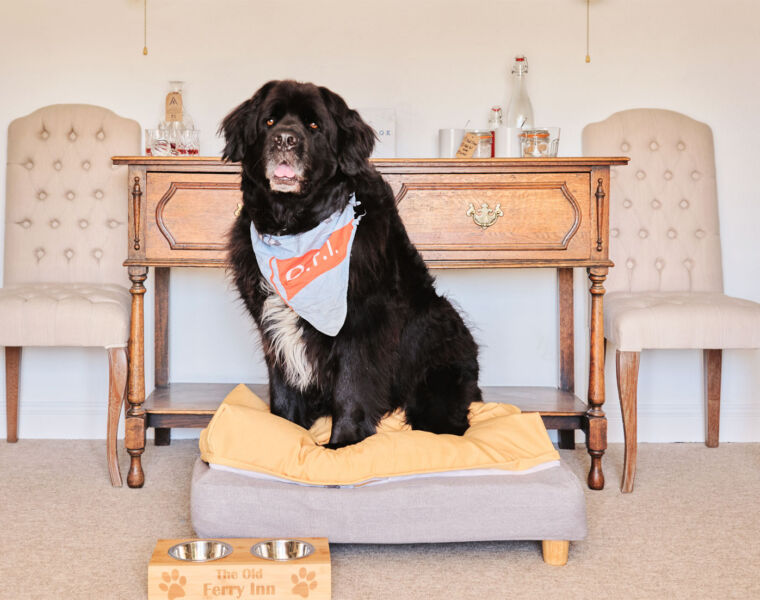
<point x="627" y="367"/>
<point x="12" y="372"/>
<point x="555" y="552"/>
<point x="712" y="361"/>
<point x="117" y="384"/>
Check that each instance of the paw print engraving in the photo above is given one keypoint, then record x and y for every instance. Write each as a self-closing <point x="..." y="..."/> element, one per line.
<point x="304" y="582"/>
<point x="173" y="585"/>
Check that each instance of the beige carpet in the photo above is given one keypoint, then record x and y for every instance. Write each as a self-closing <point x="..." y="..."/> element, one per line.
<point x="690" y="530"/>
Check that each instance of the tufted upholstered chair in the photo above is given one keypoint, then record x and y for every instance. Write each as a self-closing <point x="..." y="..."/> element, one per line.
<point x="65" y="232"/>
<point x="666" y="290"/>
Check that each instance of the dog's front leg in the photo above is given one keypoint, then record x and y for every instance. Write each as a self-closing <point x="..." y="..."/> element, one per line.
<point x="287" y="402"/>
<point x="360" y="397"/>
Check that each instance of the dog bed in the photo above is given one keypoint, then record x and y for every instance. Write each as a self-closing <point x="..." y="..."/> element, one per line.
<point x="538" y="499"/>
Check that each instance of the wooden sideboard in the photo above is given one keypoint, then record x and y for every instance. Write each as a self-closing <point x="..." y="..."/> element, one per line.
<point x="472" y="213"/>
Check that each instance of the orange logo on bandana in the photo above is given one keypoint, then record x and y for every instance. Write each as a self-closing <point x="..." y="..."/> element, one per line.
<point x="296" y="273"/>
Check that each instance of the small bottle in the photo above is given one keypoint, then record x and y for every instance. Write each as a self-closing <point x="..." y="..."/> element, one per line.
<point x="494" y="122"/>
<point x="520" y="111"/>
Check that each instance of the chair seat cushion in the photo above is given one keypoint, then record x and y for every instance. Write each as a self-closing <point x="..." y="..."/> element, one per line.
<point x="64" y="314"/>
<point x="634" y="321"/>
<point x="545" y="505"/>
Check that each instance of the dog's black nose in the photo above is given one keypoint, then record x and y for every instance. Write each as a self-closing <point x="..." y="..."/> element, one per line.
<point x="286" y="140"/>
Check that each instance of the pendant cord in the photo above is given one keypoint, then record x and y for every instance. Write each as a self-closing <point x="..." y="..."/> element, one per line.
<point x="588" y="11"/>
<point x="145" y="27"/>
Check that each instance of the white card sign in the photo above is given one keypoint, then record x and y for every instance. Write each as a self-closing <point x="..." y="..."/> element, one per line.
<point x="383" y="121"/>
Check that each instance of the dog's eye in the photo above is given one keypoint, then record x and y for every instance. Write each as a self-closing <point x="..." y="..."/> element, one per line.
<point x="270" y="122"/>
<point x="313" y="125"/>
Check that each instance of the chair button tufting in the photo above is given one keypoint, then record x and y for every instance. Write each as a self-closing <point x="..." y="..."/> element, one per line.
<point x="700" y="233"/>
<point x="643" y="234"/>
<point x="83" y="224"/>
<point x="627" y="203"/>
<point x="25" y="223"/>
<point x="86" y="165"/>
<point x="54" y="223"/>
<point x="113" y="223"/>
<point x="39" y="253"/>
<point x="668" y="175"/>
<point x="630" y="263"/>
<point x="615" y="232"/>
<point x="57" y="165"/>
<point x="641" y="175"/>
<point x="659" y="264"/>
<point x="100" y="135"/>
<point x="654" y="146"/>
<point x="44" y="134"/>
<point x="684" y="203"/>
<point x="625" y="146"/>
<point x="672" y="233"/>
<point x="29" y="165"/>
<point x="97" y="253"/>
<point x="72" y="135"/>
<point x="656" y="204"/>
<point x="681" y="146"/>
<point x="696" y="175"/>
<point x="98" y="194"/>
<point x="68" y="253"/>
<point x="70" y="195"/>
<point x="688" y="263"/>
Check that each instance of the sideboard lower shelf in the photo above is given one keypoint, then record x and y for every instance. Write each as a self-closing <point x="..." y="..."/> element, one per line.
<point x="193" y="404"/>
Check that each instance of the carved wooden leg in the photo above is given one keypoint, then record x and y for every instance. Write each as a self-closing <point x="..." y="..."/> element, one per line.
<point x="627" y="368"/>
<point x="596" y="436"/>
<point x="712" y="361"/>
<point x="555" y="552"/>
<point x="117" y="385"/>
<point x="135" y="421"/>
<point x="566" y="346"/>
<point x="12" y="377"/>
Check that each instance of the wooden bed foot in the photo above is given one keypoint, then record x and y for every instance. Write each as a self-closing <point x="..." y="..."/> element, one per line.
<point x="555" y="551"/>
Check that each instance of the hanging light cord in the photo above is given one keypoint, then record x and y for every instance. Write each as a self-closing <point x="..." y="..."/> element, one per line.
<point x="145" y="27"/>
<point x="588" y="10"/>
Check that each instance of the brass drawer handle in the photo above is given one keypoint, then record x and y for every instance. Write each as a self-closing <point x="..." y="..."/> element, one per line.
<point x="238" y="209"/>
<point x="485" y="216"/>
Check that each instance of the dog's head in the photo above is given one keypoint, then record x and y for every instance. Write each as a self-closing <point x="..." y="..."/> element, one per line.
<point x="293" y="136"/>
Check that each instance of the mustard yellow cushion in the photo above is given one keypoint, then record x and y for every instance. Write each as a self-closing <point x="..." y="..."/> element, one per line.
<point x="243" y="434"/>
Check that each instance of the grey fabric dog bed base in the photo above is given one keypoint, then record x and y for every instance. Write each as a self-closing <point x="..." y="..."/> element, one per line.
<point x="545" y="505"/>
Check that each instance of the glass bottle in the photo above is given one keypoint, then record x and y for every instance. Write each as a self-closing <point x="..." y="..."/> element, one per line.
<point x="520" y="111"/>
<point x="494" y="122"/>
<point x="176" y="119"/>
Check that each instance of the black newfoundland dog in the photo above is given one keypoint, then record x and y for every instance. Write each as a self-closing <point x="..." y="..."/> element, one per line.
<point x="304" y="158"/>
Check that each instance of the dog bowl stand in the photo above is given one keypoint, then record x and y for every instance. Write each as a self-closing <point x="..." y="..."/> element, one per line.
<point x="240" y="575"/>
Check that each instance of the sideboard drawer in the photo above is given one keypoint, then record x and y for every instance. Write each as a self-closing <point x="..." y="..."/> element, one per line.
<point x="496" y="217"/>
<point x="190" y="214"/>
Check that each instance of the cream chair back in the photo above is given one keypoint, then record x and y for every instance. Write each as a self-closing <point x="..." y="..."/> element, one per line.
<point x="664" y="233"/>
<point x="66" y="204"/>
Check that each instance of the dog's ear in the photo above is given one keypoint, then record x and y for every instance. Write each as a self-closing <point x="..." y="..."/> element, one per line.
<point x="356" y="139"/>
<point x="239" y="127"/>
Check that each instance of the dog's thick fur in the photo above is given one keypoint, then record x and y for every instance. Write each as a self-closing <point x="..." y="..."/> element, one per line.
<point x="402" y="345"/>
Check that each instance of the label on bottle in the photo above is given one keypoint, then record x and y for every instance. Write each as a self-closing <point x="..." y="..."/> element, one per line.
<point x="174" y="106"/>
<point x="468" y="145"/>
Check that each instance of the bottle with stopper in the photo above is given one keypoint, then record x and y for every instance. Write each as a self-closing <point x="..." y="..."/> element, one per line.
<point x="520" y="110"/>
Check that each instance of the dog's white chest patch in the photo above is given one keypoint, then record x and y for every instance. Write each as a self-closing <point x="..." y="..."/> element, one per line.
<point x="280" y="323"/>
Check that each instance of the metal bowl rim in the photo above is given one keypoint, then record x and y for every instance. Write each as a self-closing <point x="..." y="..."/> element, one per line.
<point x="309" y="546"/>
<point x="226" y="550"/>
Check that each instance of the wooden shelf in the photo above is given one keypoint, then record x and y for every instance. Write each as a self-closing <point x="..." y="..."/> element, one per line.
<point x="193" y="404"/>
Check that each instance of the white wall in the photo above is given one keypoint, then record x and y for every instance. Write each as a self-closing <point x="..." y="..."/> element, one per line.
<point x="438" y="63"/>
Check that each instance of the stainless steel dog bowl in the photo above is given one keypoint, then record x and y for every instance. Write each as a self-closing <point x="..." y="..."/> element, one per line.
<point x="282" y="549"/>
<point x="200" y="550"/>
